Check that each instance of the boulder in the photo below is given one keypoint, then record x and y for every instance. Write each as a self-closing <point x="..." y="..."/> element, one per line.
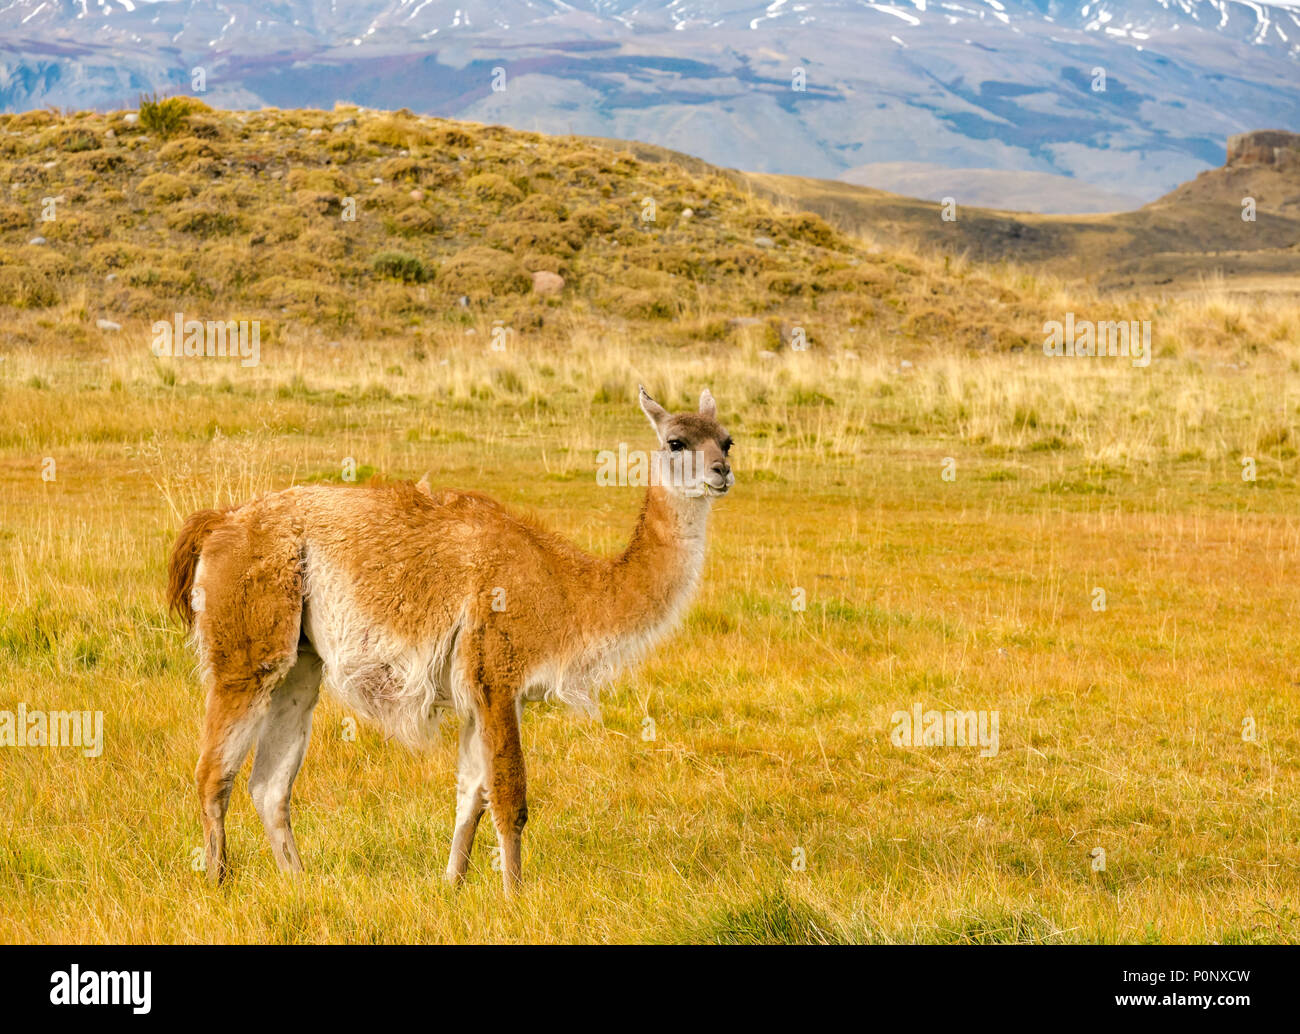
<point x="547" y="283"/>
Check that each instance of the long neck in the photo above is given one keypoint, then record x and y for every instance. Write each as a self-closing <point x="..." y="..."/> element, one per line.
<point x="651" y="580"/>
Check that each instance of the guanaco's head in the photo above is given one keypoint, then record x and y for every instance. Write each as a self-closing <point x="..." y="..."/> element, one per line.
<point x="693" y="448"/>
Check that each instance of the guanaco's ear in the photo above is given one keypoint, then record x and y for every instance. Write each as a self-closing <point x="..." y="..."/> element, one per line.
<point x="708" y="408"/>
<point x="656" y="413"/>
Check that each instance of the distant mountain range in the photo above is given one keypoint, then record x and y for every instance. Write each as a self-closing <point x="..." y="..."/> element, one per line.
<point x="1123" y="98"/>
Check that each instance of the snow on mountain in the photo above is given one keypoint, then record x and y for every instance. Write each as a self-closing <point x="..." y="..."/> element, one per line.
<point x="798" y="86"/>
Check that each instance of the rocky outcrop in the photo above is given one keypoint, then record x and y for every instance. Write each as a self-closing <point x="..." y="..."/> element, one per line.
<point x="1264" y="147"/>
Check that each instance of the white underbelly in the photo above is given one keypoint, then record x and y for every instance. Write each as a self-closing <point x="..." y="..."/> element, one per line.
<point x="400" y="686"/>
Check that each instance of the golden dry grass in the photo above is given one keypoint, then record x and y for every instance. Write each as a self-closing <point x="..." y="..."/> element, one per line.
<point x="1119" y="729"/>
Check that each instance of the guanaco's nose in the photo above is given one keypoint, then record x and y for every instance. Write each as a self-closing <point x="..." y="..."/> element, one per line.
<point x="722" y="467"/>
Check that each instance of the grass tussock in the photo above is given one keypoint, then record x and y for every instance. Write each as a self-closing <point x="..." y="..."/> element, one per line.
<point x="773" y="917"/>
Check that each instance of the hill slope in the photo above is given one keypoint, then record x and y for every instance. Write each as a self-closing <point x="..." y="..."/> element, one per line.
<point x="245" y="215"/>
<point x="358" y="225"/>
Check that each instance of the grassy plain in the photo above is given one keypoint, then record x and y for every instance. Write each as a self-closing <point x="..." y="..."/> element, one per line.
<point x="1119" y="729"/>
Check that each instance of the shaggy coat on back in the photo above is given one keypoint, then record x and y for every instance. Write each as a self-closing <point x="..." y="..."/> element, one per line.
<point x="408" y="602"/>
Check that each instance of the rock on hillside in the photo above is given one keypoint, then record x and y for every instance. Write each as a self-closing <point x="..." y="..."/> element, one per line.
<point x="1264" y="147"/>
<point x="1264" y="164"/>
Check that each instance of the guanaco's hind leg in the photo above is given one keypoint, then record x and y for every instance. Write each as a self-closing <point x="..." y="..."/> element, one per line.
<point x="249" y="581"/>
<point x="281" y="746"/>
<point x="229" y="729"/>
<point x="471" y="795"/>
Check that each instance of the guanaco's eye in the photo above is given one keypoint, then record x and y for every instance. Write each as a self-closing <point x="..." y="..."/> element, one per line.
<point x="726" y="446"/>
<point x="676" y="444"/>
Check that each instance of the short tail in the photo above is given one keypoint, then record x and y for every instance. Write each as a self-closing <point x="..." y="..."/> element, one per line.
<point x="185" y="557"/>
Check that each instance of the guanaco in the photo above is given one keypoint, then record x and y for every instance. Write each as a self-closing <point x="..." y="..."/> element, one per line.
<point x="407" y="602"/>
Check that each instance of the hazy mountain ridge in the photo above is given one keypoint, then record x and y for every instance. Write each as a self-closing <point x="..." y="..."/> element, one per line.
<point x="1193" y="235"/>
<point x="967" y="83"/>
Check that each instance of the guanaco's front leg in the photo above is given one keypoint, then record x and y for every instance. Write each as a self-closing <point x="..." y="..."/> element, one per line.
<point x="507" y="791"/>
